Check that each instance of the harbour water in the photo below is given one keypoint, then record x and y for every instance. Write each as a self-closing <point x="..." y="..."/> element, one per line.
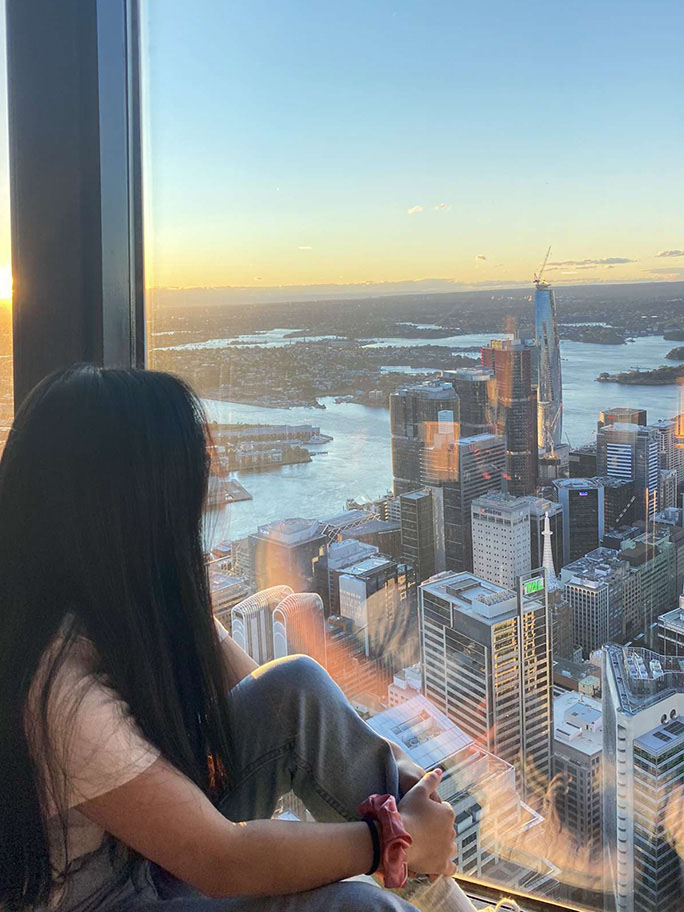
<point x="357" y="462"/>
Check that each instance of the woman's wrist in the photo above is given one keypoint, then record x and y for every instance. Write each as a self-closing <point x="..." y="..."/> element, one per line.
<point x="394" y="838"/>
<point x="377" y="848"/>
<point x="367" y="849"/>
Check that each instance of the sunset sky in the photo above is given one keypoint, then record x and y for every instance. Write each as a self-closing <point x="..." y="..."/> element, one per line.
<point x="308" y="143"/>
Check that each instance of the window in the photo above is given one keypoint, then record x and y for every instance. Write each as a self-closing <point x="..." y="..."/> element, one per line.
<point x="345" y="208"/>
<point x="6" y="400"/>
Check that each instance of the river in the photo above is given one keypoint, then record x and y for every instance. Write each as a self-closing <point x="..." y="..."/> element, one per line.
<point x="357" y="462"/>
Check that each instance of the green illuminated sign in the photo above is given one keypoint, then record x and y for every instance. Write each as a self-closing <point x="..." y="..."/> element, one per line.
<point x="533" y="585"/>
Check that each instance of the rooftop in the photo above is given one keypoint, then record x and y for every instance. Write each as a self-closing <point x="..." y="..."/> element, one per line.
<point x="568" y="674"/>
<point x="510" y="344"/>
<point x="368" y="566"/>
<point x="540" y="506"/>
<point x="474" y="596"/>
<point x="346" y="518"/>
<point x="501" y="502"/>
<point x="670" y="516"/>
<point x="610" y="481"/>
<point x="622" y="410"/>
<point x="660" y="739"/>
<point x="430" y="389"/>
<point x="597" y="566"/>
<point x="478" y="440"/>
<point x="415" y="495"/>
<point x="625" y="427"/>
<point x="289" y="531"/>
<point x="674" y="619"/>
<point x="578" y="722"/>
<point x="347" y="552"/>
<point x="425" y="733"/>
<point x="372" y="527"/>
<point x="642" y="678"/>
<point x="576" y="484"/>
<point x="472" y="374"/>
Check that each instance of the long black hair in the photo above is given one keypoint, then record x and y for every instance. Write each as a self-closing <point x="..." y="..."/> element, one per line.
<point x="102" y="488"/>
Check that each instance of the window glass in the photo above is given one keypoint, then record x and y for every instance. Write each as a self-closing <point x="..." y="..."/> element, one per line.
<point x="428" y="419"/>
<point x="6" y="400"/>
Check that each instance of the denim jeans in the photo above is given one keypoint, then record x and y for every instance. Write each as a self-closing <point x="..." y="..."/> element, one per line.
<point x="292" y="730"/>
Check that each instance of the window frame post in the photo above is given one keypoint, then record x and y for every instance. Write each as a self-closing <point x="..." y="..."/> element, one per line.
<point x="75" y="185"/>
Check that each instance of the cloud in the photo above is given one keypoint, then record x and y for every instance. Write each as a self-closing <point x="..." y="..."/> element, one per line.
<point x="440" y="207"/>
<point x="584" y="264"/>
<point x="414" y="209"/>
<point x="669" y="253"/>
<point x="305" y="248"/>
<point x="480" y="256"/>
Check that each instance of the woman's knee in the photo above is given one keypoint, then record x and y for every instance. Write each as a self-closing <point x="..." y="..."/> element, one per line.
<point x="300" y="672"/>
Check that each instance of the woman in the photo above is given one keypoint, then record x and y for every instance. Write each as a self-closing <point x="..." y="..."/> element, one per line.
<point x="142" y="752"/>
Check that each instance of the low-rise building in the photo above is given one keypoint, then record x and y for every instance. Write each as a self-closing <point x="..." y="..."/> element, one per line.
<point x="405" y="685"/>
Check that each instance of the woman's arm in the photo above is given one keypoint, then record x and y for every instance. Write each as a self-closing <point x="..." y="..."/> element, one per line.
<point x="238" y="663"/>
<point x="166" y="818"/>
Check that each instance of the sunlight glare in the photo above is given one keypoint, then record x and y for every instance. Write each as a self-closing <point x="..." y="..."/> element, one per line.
<point x="6" y="282"/>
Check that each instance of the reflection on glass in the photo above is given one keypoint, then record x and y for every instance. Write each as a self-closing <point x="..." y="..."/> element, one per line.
<point x="408" y="481"/>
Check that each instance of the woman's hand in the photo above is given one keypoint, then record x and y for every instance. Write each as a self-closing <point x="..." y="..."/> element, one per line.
<point x="409" y="773"/>
<point x="431" y="827"/>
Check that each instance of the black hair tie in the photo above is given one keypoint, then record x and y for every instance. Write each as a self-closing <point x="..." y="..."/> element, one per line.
<point x="375" y="836"/>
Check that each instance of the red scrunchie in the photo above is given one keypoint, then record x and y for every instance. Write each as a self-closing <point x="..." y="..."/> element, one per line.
<point x="394" y="840"/>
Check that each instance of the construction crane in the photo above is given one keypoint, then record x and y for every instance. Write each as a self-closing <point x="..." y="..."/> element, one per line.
<point x="538" y="277"/>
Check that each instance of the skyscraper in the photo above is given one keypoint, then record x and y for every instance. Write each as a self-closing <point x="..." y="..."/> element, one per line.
<point x="476" y="391"/>
<point x="379" y="595"/>
<point x="480" y="465"/>
<point x="286" y="552"/>
<point x="341" y="554"/>
<point x="417" y="413"/>
<point x="620" y="414"/>
<point x="550" y="388"/>
<point x="632" y="451"/>
<point x="601" y="591"/>
<point x="577" y="750"/>
<point x="619" y="501"/>
<point x="581" y="500"/>
<point x="643" y="767"/>
<point x="418" y="532"/>
<point x="516" y="410"/>
<point x="486" y="661"/>
<point x="501" y="538"/>
<point x="652" y="559"/>
<point x="667" y="488"/>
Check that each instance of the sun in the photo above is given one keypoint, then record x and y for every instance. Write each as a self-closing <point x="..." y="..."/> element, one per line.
<point x="6" y="282"/>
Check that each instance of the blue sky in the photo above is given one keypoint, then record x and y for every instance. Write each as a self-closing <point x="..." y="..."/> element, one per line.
<point x="311" y="143"/>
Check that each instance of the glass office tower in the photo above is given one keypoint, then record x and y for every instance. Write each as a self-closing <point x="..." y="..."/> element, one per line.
<point x="550" y="390"/>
